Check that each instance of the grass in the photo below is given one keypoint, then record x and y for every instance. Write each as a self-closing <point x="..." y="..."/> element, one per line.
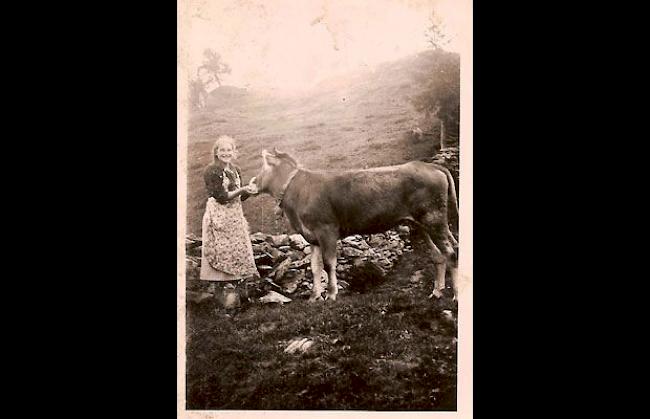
<point x="386" y="349"/>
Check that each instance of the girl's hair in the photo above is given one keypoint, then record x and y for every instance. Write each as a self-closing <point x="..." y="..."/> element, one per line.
<point x="221" y="141"/>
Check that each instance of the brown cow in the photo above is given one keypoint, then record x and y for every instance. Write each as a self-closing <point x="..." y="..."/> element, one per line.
<point x="325" y="206"/>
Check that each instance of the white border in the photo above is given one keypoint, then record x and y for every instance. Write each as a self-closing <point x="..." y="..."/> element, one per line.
<point x="465" y="319"/>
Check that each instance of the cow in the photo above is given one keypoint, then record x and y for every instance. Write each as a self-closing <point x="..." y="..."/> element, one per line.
<point x="325" y="206"/>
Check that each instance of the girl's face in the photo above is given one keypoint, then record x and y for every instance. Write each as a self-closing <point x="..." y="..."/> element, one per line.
<point x="225" y="153"/>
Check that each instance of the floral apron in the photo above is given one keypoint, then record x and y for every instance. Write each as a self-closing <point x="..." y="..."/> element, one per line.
<point x="226" y="240"/>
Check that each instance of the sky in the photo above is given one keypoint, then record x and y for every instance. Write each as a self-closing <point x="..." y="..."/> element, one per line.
<point x="292" y="45"/>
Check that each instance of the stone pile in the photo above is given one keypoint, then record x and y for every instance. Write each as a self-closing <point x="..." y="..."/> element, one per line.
<point x="284" y="261"/>
<point x="449" y="158"/>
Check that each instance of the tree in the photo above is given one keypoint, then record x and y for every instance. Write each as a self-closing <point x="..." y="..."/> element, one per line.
<point x="206" y="74"/>
<point x="212" y="66"/>
<point x="436" y="33"/>
<point x="440" y="98"/>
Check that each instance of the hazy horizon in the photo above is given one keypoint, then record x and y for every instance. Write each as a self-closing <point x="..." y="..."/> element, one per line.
<point x="291" y="47"/>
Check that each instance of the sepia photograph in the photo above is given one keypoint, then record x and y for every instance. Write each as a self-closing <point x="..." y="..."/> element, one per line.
<point x="324" y="207"/>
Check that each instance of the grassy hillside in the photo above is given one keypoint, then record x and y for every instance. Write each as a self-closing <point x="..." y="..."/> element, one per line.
<point x="389" y="348"/>
<point x="354" y="122"/>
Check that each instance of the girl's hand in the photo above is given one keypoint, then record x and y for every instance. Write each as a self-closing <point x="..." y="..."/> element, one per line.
<point x="251" y="188"/>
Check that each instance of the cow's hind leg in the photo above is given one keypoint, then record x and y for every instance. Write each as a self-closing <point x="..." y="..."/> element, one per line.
<point x="442" y="242"/>
<point x="439" y="238"/>
<point x="440" y="262"/>
<point x="316" y="271"/>
<point x="452" y="239"/>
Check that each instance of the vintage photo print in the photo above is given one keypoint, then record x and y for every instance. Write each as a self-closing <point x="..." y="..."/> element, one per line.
<point x="324" y="208"/>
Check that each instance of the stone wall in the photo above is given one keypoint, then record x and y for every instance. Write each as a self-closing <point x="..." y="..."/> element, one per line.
<point x="283" y="261"/>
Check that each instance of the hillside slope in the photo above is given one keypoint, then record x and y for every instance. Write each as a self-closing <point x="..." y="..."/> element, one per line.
<point x="354" y="122"/>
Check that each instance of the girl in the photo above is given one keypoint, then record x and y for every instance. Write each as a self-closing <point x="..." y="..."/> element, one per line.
<point x="227" y="253"/>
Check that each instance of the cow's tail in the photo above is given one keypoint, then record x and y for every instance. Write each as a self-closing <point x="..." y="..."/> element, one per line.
<point x="452" y="199"/>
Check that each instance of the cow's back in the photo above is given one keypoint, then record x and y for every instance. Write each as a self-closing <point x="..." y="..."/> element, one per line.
<point x="370" y="200"/>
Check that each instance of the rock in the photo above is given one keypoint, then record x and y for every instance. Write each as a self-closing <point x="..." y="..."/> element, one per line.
<point x="195" y="251"/>
<point x="262" y="248"/>
<point x="264" y="270"/>
<point x="193" y="262"/>
<point x="358" y="261"/>
<point x="258" y="238"/>
<point x="292" y="279"/>
<point x="290" y="288"/>
<point x="192" y="242"/>
<point x="385" y="263"/>
<point x="377" y="240"/>
<point x="274" y="297"/>
<point x="370" y="252"/>
<point x="270" y="282"/>
<point x="297" y="242"/>
<point x="192" y="267"/>
<point x="307" y="250"/>
<point x="306" y="261"/>
<point x="281" y="269"/>
<point x="279" y="240"/>
<point x="263" y="259"/>
<point x="351" y="252"/>
<point x="299" y="345"/>
<point x="356" y="242"/>
<point x="295" y="255"/>
<point x="403" y="230"/>
<point x="276" y="254"/>
<point x="350" y="241"/>
<point x="284" y="249"/>
<point x="362" y="245"/>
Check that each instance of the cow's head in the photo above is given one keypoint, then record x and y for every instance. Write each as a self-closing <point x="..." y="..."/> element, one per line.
<point x="275" y="171"/>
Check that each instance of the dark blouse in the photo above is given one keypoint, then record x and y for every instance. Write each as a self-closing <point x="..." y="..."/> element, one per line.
<point x="213" y="177"/>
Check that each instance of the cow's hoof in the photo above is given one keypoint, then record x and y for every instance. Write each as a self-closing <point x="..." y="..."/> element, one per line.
<point x="436" y="293"/>
<point x="329" y="296"/>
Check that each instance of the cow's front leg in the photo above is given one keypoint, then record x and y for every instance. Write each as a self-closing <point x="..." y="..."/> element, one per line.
<point x="317" y="272"/>
<point x="329" y="259"/>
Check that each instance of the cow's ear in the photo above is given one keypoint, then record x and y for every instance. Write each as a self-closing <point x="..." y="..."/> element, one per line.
<point x="265" y="158"/>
